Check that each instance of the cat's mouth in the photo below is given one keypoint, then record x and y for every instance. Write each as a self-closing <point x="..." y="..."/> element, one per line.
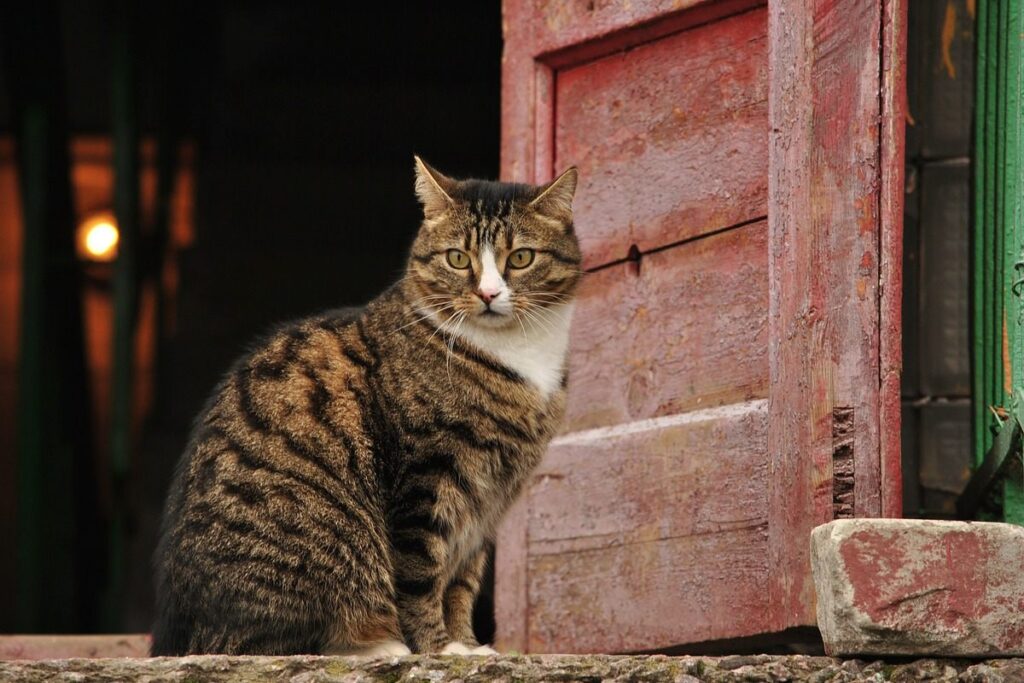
<point x="492" y="318"/>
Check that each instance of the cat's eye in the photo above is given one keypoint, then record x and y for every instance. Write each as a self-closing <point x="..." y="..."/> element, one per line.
<point x="520" y="258"/>
<point x="458" y="259"/>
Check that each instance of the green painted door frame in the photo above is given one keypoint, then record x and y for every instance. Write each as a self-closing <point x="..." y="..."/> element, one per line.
<point x="998" y="265"/>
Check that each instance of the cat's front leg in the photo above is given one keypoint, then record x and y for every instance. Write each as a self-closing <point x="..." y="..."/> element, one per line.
<point x="459" y="598"/>
<point x="419" y="561"/>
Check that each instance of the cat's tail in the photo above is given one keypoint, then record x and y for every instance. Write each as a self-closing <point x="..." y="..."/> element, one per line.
<point x="171" y="631"/>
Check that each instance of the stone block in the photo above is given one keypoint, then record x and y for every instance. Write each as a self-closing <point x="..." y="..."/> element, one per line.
<point x="919" y="587"/>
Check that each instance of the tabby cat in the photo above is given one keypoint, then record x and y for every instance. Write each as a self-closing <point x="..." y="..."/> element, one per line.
<point x="344" y="481"/>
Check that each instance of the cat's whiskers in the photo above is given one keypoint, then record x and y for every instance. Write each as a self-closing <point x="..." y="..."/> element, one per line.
<point x="462" y="315"/>
<point x="431" y="297"/>
<point x="543" y="308"/>
<point x="535" y="320"/>
<point x="417" y="320"/>
<point x="445" y="323"/>
<point x="430" y="304"/>
<point x="541" y="302"/>
<point x="552" y="296"/>
<point x="429" y="313"/>
<point x="520" y="321"/>
<point x="548" y="314"/>
<point x="547" y="311"/>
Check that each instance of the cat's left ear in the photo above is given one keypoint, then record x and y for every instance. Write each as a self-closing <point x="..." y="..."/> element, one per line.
<point x="433" y="189"/>
<point x="555" y="198"/>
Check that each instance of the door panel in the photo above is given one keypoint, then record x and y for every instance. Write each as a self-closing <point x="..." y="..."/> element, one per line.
<point x="738" y="332"/>
<point x="671" y="138"/>
<point x="684" y="328"/>
<point x="612" y="566"/>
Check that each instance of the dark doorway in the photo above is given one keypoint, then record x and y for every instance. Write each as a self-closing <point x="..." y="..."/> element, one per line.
<point x="303" y="118"/>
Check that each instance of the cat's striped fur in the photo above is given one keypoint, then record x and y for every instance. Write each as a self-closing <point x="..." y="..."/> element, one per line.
<point x="345" y="479"/>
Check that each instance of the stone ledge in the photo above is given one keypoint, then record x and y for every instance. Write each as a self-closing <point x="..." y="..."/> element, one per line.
<point x="73" y="646"/>
<point x="431" y="669"/>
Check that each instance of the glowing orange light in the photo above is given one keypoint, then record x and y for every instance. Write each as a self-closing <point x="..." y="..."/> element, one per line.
<point x="98" y="238"/>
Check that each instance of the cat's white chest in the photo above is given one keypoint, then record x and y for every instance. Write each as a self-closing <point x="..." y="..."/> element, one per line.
<point x="535" y="350"/>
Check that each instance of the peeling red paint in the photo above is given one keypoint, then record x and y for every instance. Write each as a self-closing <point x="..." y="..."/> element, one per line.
<point x="911" y="587"/>
<point x="943" y="582"/>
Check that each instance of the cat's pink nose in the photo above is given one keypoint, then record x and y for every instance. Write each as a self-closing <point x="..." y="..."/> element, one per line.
<point x="486" y="295"/>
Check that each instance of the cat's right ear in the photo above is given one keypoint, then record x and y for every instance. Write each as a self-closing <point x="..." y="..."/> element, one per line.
<point x="433" y="189"/>
<point x="555" y="198"/>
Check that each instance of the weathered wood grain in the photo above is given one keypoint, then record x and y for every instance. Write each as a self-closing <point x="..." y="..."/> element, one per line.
<point x="670" y="137"/>
<point x="574" y="31"/>
<point x="711" y="464"/>
<point x="890" y="346"/>
<point x="511" y="605"/>
<point x="518" y="95"/>
<point x="566" y="23"/>
<point x="825" y="246"/>
<point x="689" y="330"/>
<point x="632" y="598"/>
<point x="636" y="525"/>
<point x="799" y="434"/>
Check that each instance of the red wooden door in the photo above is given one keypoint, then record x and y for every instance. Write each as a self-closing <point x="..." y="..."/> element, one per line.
<point x="735" y="354"/>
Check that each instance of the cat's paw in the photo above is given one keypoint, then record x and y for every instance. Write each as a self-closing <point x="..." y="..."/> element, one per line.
<point x="390" y="648"/>
<point x="385" y="648"/>
<point x="483" y="650"/>
<point x="456" y="648"/>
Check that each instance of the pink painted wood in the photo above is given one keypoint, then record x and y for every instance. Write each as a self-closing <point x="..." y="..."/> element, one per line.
<point x="825" y="254"/>
<point x="650" y="533"/>
<point x="675" y="129"/>
<point x="894" y="113"/>
<point x="688" y="331"/>
<point x="698" y="446"/>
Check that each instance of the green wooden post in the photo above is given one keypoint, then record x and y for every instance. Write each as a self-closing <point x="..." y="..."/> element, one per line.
<point x="988" y="280"/>
<point x="998" y="258"/>
<point x="1013" y="234"/>
<point x="996" y="229"/>
<point x="1015" y="253"/>
<point x="978" y="384"/>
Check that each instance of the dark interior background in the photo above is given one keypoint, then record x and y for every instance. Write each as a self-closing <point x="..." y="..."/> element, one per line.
<point x="305" y="118"/>
<point x="936" y="386"/>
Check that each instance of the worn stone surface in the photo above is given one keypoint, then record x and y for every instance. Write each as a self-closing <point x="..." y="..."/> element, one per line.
<point x="66" y="646"/>
<point x="919" y="587"/>
<point x="508" y="668"/>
